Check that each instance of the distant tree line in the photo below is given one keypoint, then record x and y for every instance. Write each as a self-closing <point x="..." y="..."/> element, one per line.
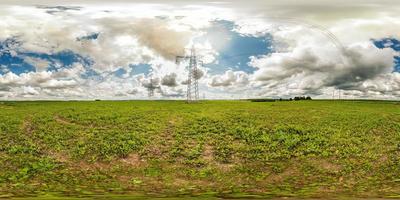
<point x="297" y="98"/>
<point x="262" y="100"/>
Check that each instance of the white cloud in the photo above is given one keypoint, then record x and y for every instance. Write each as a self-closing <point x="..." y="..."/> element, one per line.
<point x="170" y="80"/>
<point x="29" y="91"/>
<point x="312" y="69"/>
<point x="230" y="78"/>
<point x="40" y="64"/>
<point x="310" y="60"/>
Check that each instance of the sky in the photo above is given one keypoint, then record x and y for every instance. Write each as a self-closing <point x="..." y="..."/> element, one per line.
<point x="103" y="49"/>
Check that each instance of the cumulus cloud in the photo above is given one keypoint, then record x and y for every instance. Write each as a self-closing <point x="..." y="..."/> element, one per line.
<point x="313" y="63"/>
<point x="198" y="73"/>
<point x="308" y="59"/>
<point x="58" y="84"/>
<point x="150" y="82"/>
<point x="120" y="41"/>
<point x="133" y="91"/>
<point x="40" y="64"/>
<point x="33" y="79"/>
<point x="357" y="63"/>
<point x="230" y="78"/>
<point x="156" y="35"/>
<point x="170" y="80"/>
<point x="29" y="91"/>
<point x="364" y="62"/>
<point x="58" y="9"/>
<point x="171" y="92"/>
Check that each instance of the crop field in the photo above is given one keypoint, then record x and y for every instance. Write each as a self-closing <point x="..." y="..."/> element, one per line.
<point x="210" y="149"/>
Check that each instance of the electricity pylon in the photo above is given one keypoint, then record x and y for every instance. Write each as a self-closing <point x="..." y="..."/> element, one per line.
<point x="151" y="87"/>
<point x="192" y="92"/>
<point x="150" y="91"/>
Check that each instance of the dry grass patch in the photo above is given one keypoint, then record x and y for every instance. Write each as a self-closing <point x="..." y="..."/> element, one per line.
<point x="62" y="120"/>
<point x="293" y="170"/>
<point x="27" y="126"/>
<point x="208" y="154"/>
<point x="326" y="165"/>
<point x="133" y="160"/>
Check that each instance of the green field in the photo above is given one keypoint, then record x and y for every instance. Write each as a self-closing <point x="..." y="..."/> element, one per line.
<point x="208" y="149"/>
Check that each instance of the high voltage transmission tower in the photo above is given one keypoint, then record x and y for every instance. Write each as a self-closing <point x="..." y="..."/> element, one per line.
<point x="192" y="93"/>
<point x="150" y="91"/>
<point x="151" y="87"/>
<point x="339" y="94"/>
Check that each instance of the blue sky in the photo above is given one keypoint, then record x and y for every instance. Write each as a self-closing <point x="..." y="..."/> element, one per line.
<point x="233" y="55"/>
<point x="140" y="69"/>
<point x="13" y="63"/>
<point x="234" y="52"/>
<point x="391" y="43"/>
<point x="236" y="49"/>
<point x="17" y="64"/>
<point x="89" y="52"/>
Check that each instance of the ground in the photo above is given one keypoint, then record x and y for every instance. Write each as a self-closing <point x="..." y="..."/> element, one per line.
<point x="141" y="149"/>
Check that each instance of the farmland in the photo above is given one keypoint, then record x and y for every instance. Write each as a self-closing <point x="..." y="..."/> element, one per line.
<point x="208" y="149"/>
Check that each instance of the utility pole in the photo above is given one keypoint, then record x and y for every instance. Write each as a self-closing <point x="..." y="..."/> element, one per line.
<point x="192" y="92"/>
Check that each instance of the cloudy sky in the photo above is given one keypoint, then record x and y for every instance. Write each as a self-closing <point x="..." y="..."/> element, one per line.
<point x="86" y="49"/>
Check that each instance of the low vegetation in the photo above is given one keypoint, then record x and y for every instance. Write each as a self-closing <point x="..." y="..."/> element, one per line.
<point x="207" y="149"/>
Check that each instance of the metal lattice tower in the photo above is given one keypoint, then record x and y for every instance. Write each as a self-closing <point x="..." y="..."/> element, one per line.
<point x="151" y="87"/>
<point x="150" y="91"/>
<point x="192" y="92"/>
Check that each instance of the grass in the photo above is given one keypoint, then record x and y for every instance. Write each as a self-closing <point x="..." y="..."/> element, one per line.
<point x="232" y="149"/>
